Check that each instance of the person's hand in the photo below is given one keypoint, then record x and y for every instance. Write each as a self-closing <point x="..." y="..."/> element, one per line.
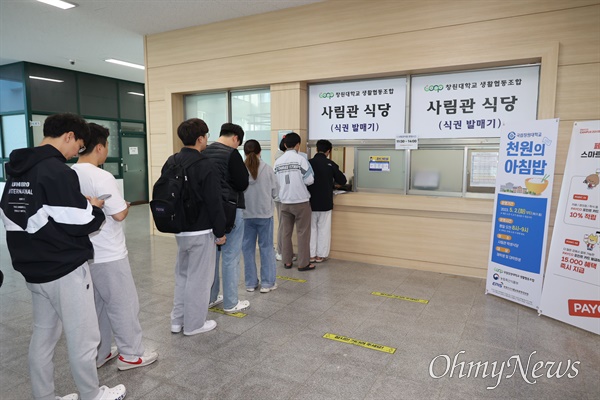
<point x="95" y="201"/>
<point x="221" y="241"/>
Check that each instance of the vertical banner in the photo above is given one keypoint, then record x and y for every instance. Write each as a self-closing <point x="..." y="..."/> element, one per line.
<point x="521" y="211"/>
<point x="572" y="285"/>
<point x="373" y="109"/>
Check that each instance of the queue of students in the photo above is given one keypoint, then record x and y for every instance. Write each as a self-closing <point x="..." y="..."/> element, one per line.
<point x="87" y="290"/>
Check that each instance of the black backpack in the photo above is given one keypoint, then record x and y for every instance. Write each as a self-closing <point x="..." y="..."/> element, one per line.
<point x="174" y="205"/>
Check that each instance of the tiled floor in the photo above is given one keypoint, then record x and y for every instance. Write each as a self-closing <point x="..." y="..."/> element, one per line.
<point x="278" y="351"/>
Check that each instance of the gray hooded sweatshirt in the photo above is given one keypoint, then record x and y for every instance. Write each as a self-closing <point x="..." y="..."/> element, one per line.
<point x="260" y="193"/>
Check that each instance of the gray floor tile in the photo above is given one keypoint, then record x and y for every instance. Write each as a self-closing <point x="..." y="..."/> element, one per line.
<point x="398" y="388"/>
<point x="278" y="350"/>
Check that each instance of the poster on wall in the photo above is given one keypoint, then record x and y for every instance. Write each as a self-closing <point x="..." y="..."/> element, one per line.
<point x="473" y="103"/>
<point x="571" y="290"/>
<point x="372" y="109"/>
<point x="379" y="163"/>
<point x="521" y="211"/>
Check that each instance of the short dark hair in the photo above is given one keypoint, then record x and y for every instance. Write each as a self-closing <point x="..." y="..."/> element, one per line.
<point x="98" y="135"/>
<point x="323" y="146"/>
<point x="282" y="144"/>
<point x="291" y="140"/>
<point x="58" y="124"/>
<point x="190" y="130"/>
<point x="229" y="129"/>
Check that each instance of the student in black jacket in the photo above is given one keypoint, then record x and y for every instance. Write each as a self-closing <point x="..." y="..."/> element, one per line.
<point x="321" y="200"/>
<point x="197" y="244"/>
<point x="233" y="176"/>
<point x="48" y="221"/>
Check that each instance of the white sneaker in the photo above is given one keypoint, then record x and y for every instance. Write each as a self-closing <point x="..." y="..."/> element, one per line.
<point x="209" y="325"/>
<point x="218" y="301"/>
<point x="113" y="353"/>
<point x="116" y="393"/>
<point x="176" y="328"/>
<point x="148" y="358"/>
<point x="72" y="396"/>
<point x="241" y="305"/>
<point x="251" y="289"/>
<point x="268" y="289"/>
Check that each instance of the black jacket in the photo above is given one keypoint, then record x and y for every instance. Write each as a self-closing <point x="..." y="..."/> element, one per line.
<point x="232" y="170"/>
<point x="204" y="178"/>
<point x="47" y="219"/>
<point x="326" y="173"/>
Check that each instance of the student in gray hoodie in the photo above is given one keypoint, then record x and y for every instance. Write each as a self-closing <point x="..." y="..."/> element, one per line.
<point x="258" y="220"/>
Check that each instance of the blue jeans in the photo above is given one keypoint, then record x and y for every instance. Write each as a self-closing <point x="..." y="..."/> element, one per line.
<point x="261" y="228"/>
<point x="231" y="252"/>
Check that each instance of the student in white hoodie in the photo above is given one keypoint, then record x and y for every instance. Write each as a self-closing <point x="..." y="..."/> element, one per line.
<point x="258" y="220"/>
<point x="293" y="174"/>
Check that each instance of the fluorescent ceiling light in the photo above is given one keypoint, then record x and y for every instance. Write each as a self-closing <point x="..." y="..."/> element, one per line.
<point x="41" y="78"/>
<point x="136" y="93"/>
<point x="58" y="3"/>
<point x="125" y="63"/>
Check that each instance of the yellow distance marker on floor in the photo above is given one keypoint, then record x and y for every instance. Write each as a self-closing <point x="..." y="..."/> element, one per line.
<point x="361" y="343"/>
<point x="393" y="296"/>
<point x="287" y="278"/>
<point x="220" y="311"/>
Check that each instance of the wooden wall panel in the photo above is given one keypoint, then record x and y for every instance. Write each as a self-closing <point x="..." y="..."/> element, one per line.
<point x="579" y="88"/>
<point x="159" y="148"/>
<point x="341" y="39"/>
<point x="335" y="21"/>
<point x="433" y="49"/>
<point x="157" y="120"/>
<point x="290" y="99"/>
<point x="443" y="241"/>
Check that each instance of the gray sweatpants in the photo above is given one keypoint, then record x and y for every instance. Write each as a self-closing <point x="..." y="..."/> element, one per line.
<point x="117" y="308"/>
<point x="194" y="275"/>
<point x="64" y="304"/>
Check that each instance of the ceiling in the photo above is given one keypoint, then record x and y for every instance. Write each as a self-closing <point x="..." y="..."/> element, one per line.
<point x="99" y="29"/>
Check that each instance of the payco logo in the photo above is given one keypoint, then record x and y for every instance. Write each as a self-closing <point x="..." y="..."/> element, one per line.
<point x="584" y="308"/>
<point x="434" y="88"/>
<point x="326" y="95"/>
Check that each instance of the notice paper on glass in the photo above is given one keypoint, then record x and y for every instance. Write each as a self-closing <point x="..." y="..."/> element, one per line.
<point x="379" y="163"/>
<point x="484" y="166"/>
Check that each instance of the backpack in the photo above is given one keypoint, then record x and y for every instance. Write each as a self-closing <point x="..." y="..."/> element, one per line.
<point x="174" y="205"/>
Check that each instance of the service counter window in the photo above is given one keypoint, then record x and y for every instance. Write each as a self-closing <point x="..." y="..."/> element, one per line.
<point x="458" y="168"/>
<point x="467" y="170"/>
<point x="380" y="170"/>
<point x="438" y="171"/>
<point x="448" y="145"/>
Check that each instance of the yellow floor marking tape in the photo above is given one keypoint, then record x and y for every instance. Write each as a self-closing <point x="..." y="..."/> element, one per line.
<point x="220" y="311"/>
<point x="361" y="343"/>
<point x="393" y="296"/>
<point x="287" y="278"/>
